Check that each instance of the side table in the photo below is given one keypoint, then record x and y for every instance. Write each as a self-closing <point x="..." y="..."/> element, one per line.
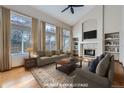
<point x="30" y="62"/>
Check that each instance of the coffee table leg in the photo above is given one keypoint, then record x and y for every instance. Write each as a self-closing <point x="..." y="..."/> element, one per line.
<point x="80" y="64"/>
<point x="56" y="65"/>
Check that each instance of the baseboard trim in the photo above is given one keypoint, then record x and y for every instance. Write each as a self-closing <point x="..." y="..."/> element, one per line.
<point x="17" y="67"/>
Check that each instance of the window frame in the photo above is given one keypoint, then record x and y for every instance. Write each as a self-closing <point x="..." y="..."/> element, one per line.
<point x="69" y="37"/>
<point x="50" y="33"/>
<point x="13" y="13"/>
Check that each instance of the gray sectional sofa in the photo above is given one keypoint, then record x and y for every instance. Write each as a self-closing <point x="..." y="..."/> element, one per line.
<point x="102" y="78"/>
<point x="47" y="57"/>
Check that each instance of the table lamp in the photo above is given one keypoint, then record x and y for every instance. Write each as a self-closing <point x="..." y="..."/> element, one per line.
<point x="29" y="50"/>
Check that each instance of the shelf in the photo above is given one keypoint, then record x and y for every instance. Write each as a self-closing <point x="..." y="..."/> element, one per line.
<point x="75" y="39"/>
<point x="75" y="45"/>
<point x="112" y="52"/>
<point x="111" y="42"/>
<point x="112" y="39"/>
<point x="89" y="42"/>
<point x="112" y="45"/>
<point x="75" y="49"/>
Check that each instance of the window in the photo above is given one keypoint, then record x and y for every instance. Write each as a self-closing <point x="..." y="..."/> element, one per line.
<point x="50" y="37"/>
<point x="21" y="28"/>
<point x="66" y="40"/>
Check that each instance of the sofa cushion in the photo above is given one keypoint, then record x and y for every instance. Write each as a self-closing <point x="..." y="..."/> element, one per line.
<point x="53" y="52"/>
<point x="44" y="58"/>
<point x="63" y="55"/>
<point x="61" y="52"/>
<point x="57" y="52"/>
<point x="103" y="65"/>
<point x="93" y="64"/>
<point x="55" y="56"/>
<point x="40" y="53"/>
<point x="48" y="54"/>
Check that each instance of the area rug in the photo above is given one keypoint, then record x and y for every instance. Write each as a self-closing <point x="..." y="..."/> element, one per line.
<point x="49" y="77"/>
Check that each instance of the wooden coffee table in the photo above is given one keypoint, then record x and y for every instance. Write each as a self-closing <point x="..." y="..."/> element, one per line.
<point x="67" y="65"/>
<point x="62" y="62"/>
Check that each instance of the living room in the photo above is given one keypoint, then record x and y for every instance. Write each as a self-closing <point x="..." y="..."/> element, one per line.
<point x="46" y="46"/>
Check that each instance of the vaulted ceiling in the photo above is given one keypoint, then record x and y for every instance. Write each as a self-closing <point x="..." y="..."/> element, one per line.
<point x="66" y="17"/>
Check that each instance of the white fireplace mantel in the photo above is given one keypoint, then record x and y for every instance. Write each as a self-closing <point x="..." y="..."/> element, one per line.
<point x="89" y="42"/>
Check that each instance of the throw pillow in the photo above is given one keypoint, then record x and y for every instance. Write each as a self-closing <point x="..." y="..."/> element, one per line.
<point x="102" y="56"/>
<point x="61" y="52"/>
<point x="103" y="65"/>
<point x="53" y="52"/>
<point x="92" y="66"/>
<point x="40" y="53"/>
<point x="48" y="53"/>
<point x="57" y="52"/>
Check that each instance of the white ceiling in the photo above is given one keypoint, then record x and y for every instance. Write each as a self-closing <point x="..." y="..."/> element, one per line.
<point x="66" y="17"/>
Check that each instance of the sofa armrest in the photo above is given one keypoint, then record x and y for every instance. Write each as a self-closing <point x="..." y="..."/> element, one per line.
<point x="92" y="78"/>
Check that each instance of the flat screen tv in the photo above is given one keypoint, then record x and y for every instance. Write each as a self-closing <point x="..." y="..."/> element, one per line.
<point x="90" y="34"/>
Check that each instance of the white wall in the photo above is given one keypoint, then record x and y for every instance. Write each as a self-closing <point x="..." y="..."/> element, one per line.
<point x="1" y="36"/>
<point x="89" y="25"/>
<point x="96" y="14"/>
<point x="112" y="18"/>
<point x="122" y="37"/>
<point x="112" y="21"/>
<point x="18" y="60"/>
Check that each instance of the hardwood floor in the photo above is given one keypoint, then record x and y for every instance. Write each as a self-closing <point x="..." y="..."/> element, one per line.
<point x="19" y="78"/>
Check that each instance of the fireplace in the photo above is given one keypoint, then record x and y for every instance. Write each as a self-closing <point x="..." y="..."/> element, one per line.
<point x="89" y="52"/>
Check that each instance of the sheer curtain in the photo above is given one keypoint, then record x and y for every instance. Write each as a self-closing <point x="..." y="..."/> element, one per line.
<point x="66" y="40"/>
<point x="35" y="34"/>
<point x="58" y="37"/>
<point x="43" y="36"/>
<point x="5" y="41"/>
<point x="71" y="36"/>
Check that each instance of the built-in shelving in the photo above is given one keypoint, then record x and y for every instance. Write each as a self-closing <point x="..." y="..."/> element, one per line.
<point x="75" y="46"/>
<point x="112" y="44"/>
